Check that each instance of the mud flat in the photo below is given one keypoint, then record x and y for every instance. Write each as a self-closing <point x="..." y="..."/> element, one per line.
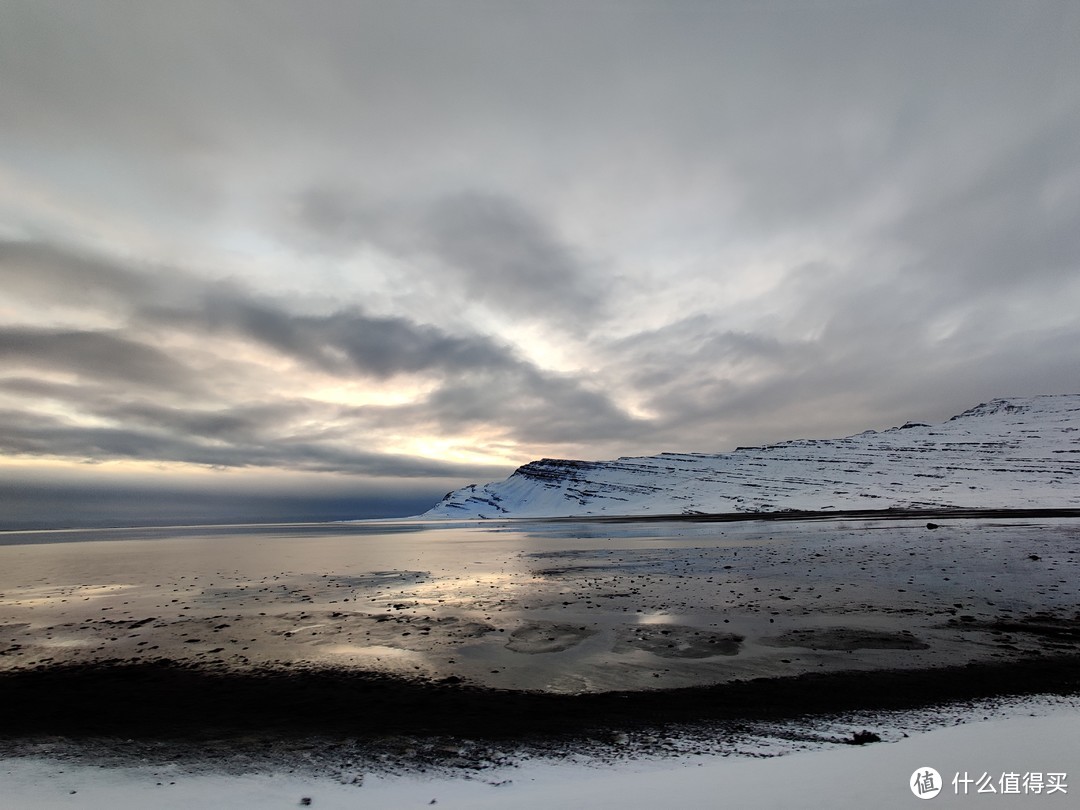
<point x="516" y="629"/>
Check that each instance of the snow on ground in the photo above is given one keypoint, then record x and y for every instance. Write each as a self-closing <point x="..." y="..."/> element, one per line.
<point x="1016" y="453"/>
<point x="1040" y="736"/>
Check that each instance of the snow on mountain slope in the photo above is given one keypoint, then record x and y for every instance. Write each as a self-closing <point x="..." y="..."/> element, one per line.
<point x="1015" y="453"/>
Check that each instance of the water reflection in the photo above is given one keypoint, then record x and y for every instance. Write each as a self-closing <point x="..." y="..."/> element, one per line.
<point x="546" y="605"/>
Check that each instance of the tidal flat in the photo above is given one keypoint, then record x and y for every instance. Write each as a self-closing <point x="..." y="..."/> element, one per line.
<point x="528" y="627"/>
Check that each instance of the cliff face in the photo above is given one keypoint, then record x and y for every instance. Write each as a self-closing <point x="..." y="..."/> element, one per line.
<point x="1005" y="453"/>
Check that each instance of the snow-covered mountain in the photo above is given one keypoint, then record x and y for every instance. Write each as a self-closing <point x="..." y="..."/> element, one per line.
<point x="1015" y="453"/>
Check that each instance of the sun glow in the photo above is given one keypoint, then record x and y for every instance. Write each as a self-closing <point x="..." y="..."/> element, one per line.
<point x="452" y="449"/>
<point x="368" y="393"/>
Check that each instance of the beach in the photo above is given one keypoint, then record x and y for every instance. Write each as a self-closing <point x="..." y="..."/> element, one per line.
<point x="410" y="646"/>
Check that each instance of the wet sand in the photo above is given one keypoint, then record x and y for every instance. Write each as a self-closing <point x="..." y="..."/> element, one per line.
<point x="517" y="629"/>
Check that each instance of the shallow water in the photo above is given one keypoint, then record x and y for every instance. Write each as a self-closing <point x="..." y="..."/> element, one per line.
<point x="559" y="606"/>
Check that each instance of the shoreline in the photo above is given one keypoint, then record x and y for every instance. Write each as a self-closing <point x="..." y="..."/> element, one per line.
<point x="794" y="515"/>
<point x="1027" y="735"/>
<point x="938" y="512"/>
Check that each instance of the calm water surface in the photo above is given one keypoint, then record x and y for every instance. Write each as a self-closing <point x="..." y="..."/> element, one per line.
<point x="562" y="606"/>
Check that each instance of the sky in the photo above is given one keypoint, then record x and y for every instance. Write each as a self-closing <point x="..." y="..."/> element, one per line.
<point x="377" y="250"/>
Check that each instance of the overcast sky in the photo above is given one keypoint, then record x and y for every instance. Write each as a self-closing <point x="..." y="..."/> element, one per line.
<point x="414" y="244"/>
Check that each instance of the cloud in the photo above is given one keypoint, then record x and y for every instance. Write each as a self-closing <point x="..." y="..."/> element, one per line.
<point x="39" y="435"/>
<point x="504" y="254"/>
<point x="42" y="272"/>
<point x="342" y="342"/>
<point x="94" y="355"/>
<point x="345" y="341"/>
<point x="550" y="229"/>
<point x="531" y="406"/>
<point x="483" y="248"/>
<point x="146" y="390"/>
<point x="1010" y="225"/>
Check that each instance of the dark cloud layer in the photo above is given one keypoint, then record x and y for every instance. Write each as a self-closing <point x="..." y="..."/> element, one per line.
<point x="101" y="354"/>
<point x="59" y="505"/>
<point x="147" y="403"/>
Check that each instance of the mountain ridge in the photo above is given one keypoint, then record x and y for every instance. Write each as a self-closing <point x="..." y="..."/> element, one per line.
<point x="1017" y="452"/>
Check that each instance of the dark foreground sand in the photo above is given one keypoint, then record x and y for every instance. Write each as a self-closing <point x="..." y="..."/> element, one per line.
<point x="173" y="700"/>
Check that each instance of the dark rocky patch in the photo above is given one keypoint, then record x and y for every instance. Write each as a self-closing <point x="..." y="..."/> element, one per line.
<point x="863" y="737"/>
<point x="845" y="638"/>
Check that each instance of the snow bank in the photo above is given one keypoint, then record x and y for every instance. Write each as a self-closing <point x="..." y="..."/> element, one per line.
<point x="857" y="777"/>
